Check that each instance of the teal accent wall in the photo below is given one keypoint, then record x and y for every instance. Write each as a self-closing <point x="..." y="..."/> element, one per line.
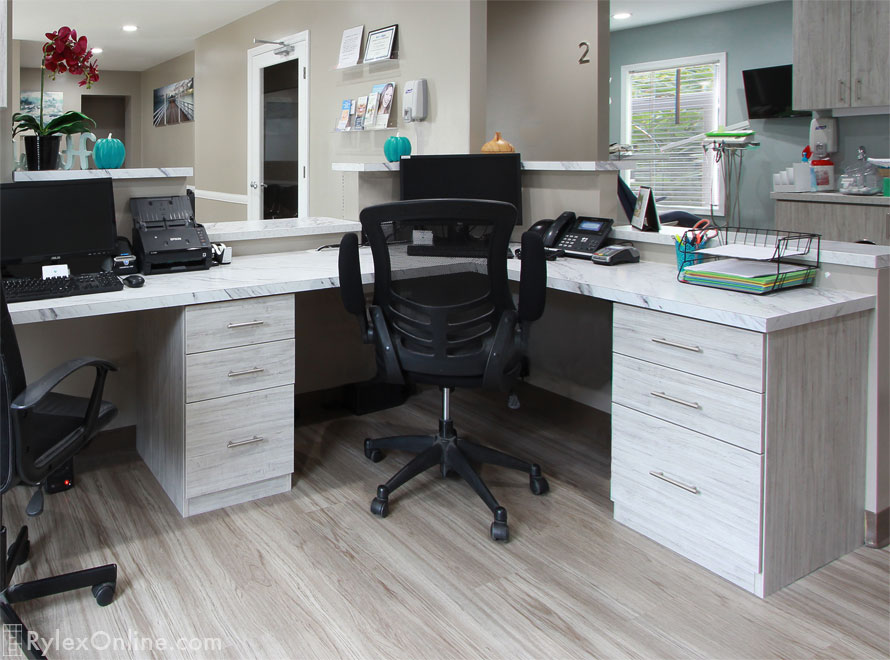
<point x="754" y="37"/>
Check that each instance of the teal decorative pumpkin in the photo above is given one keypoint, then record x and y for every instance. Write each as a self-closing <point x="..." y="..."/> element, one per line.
<point x="395" y="147"/>
<point x="109" y="153"/>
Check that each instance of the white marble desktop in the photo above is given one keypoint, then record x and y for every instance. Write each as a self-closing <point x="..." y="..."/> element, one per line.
<point x="281" y="228"/>
<point x="649" y="285"/>
<point x="129" y="173"/>
<point x="832" y="252"/>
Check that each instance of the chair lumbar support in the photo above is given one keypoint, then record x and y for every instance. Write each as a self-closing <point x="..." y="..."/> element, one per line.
<point x="452" y="454"/>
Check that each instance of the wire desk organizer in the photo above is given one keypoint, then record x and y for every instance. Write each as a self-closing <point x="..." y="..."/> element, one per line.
<point x="750" y="260"/>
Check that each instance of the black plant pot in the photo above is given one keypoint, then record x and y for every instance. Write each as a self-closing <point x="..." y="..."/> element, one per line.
<point x="42" y="151"/>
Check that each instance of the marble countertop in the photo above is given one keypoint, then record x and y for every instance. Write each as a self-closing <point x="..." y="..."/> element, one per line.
<point x="832" y="198"/>
<point x="832" y="252"/>
<point x="128" y="173"/>
<point x="287" y="227"/>
<point x="649" y="285"/>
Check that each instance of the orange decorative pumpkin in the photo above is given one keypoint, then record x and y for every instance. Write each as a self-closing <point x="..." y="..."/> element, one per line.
<point x="497" y="145"/>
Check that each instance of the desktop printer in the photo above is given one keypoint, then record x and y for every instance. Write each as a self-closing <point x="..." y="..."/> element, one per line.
<point x="166" y="237"/>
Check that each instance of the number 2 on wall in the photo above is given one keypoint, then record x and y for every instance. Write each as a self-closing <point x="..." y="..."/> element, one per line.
<point x="586" y="47"/>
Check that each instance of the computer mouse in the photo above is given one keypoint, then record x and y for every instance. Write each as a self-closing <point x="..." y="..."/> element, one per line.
<point x="134" y="281"/>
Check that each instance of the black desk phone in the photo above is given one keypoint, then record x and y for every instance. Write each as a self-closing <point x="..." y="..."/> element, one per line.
<point x="579" y="236"/>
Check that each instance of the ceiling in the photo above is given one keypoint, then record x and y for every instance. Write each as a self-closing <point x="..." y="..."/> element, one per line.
<point x="168" y="28"/>
<point x="648" y="12"/>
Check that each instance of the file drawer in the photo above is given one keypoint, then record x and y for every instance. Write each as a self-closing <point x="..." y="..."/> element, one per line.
<point x="236" y="370"/>
<point x="239" y="322"/>
<point x="721" y="411"/>
<point x="694" y="494"/>
<point x="711" y="350"/>
<point x="239" y="439"/>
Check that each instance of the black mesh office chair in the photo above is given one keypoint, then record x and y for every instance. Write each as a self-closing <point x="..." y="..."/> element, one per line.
<point x="456" y="326"/>
<point x="41" y="431"/>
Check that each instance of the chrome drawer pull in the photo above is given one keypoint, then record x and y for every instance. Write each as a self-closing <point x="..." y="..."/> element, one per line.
<point x="244" y="325"/>
<point x="255" y="370"/>
<point x="685" y="347"/>
<point x="249" y="441"/>
<point x="673" y="482"/>
<point x="668" y="397"/>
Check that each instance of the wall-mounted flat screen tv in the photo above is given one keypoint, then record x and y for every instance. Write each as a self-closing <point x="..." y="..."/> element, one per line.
<point x="768" y="93"/>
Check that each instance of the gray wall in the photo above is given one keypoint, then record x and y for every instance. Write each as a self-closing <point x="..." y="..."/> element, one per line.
<point x="752" y="38"/>
<point x="539" y="97"/>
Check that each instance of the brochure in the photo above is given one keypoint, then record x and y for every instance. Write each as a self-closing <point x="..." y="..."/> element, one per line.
<point x="383" y="110"/>
<point x="344" y="115"/>
<point x="361" y="108"/>
<point x="373" y="102"/>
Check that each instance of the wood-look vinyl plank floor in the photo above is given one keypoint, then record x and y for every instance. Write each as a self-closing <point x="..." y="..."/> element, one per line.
<point x="312" y="574"/>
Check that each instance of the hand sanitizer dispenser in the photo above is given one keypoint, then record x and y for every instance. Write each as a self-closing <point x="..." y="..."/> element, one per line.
<point x="414" y="101"/>
<point x="824" y="130"/>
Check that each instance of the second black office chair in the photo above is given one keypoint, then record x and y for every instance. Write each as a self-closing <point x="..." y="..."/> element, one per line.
<point x="454" y="327"/>
<point x="42" y="430"/>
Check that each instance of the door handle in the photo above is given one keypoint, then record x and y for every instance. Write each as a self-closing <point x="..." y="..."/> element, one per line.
<point x="255" y="185"/>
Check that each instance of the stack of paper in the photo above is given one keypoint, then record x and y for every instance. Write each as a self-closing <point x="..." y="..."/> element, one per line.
<point x="749" y="276"/>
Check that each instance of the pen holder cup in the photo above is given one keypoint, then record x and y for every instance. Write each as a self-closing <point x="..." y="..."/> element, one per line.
<point x="687" y="250"/>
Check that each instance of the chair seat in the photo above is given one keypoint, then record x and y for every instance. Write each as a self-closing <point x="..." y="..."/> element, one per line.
<point x="56" y="416"/>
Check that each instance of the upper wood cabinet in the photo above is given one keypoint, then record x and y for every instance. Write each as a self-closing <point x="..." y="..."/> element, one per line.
<point x="841" y="54"/>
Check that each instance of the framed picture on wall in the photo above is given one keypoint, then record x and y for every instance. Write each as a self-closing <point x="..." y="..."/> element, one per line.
<point x="381" y="44"/>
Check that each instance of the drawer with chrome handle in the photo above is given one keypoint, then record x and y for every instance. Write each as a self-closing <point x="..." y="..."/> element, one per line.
<point x="687" y="488"/>
<point x="233" y="323"/>
<point x="235" y="370"/>
<point x="719" y="352"/>
<point x="239" y="439"/>
<point x="722" y="411"/>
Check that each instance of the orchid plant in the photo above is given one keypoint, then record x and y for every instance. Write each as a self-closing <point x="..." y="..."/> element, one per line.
<point x="64" y="52"/>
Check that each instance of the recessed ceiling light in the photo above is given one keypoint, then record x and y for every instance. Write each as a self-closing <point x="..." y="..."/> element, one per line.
<point x="129" y="28"/>
<point x="96" y="51"/>
<point x="622" y="15"/>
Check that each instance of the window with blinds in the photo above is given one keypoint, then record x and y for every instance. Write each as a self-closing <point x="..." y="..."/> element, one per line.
<point x="667" y="106"/>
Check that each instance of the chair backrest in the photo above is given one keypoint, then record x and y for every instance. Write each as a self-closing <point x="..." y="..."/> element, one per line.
<point x="442" y="324"/>
<point x="12" y="383"/>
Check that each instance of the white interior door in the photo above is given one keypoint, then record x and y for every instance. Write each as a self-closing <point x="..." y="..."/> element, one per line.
<point x="278" y="129"/>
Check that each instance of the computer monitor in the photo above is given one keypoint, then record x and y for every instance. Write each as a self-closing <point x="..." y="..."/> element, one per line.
<point x="470" y="176"/>
<point x="46" y="222"/>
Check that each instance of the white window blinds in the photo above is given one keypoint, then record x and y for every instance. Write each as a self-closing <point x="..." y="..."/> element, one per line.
<point x="666" y="103"/>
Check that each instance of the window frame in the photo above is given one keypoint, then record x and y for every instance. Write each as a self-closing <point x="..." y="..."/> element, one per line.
<point x="717" y="201"/>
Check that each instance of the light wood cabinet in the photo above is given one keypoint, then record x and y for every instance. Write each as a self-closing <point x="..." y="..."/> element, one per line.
<point x="730" y="465"/>
<point x="836" y="221"/>
<point x="217" y="424"/>
<point x="840" y="54"/>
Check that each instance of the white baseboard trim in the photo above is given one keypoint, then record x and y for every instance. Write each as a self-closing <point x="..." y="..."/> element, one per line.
<point x="217" y="196"/>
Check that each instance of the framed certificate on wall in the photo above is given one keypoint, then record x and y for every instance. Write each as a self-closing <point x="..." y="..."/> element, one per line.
<point x="380" y="44"/>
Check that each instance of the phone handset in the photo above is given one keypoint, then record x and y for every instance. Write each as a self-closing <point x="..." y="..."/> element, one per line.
<point x="558" y="228"/>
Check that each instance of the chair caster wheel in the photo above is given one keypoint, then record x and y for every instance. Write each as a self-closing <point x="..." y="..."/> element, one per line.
<point x="380" y="507"/>
<point x="374" y="455"/>
<point x="500" y="531"/>
<point x="103" y="593"/>
<point x="538" y="485"/>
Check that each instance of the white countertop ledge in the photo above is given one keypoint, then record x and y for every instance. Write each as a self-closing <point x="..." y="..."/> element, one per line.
<point x="281" y="228"/>
<point x="831" y="198"/>
<point x="129" y="173"/>
<point x="527" y="166"/>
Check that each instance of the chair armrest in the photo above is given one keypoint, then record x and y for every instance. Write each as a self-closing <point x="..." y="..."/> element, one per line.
<point x="351" y="291"/>
<point x="532" y="278"/>
<point x="36" y="391"/>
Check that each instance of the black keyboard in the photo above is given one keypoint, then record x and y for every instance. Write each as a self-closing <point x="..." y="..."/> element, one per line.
<point x="451" y="250"/>
<point x="32" y="288"/>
